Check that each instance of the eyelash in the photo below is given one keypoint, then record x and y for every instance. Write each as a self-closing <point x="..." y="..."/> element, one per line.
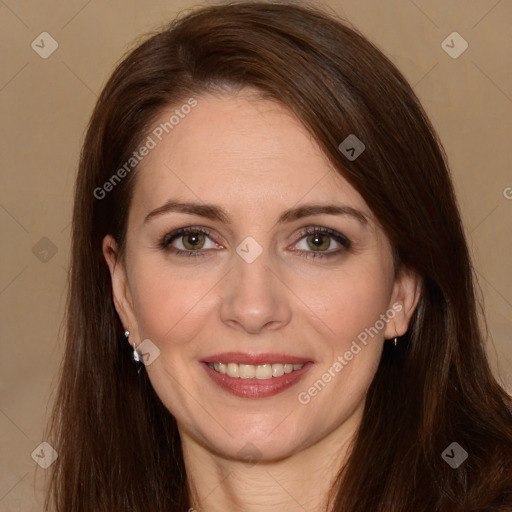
<point x="338" y="237"/>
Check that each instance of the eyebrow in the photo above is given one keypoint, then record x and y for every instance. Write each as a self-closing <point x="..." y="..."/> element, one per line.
<point x="214" y="212"/>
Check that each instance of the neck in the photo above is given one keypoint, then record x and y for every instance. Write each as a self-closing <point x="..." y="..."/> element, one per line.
<point x="297" y="483"/>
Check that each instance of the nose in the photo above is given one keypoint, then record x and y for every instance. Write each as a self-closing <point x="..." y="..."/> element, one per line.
<point x="255" y="297"/>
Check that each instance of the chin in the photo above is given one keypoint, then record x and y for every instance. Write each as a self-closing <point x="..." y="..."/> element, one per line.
<point x="258" y="441"/>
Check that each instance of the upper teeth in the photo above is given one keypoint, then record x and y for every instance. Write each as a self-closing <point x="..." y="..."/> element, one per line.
<point x="249" y="371"/>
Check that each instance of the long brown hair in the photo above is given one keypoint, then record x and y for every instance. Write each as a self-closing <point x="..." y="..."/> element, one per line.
<point x="119" y="447"/>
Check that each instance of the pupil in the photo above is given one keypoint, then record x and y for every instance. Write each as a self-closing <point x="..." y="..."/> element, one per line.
<point x="193" y="239"/>
<point x="317" y="240"/>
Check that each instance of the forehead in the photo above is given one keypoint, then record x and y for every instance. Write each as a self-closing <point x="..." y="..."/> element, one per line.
<point x="242" y="151"/>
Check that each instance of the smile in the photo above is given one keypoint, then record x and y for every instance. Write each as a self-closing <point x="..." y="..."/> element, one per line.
<point x="250" y="371"/>
<point x="259" y="380"/>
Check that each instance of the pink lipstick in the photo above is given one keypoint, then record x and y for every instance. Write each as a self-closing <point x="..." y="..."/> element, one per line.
<point x="255" y="375"/>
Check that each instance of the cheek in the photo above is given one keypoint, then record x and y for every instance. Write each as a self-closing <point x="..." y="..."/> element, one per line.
<point x="358" y="307"/>
<point x="167" y="304"/>
<point x="350" y="301"/>
<point x="350" y="354"/>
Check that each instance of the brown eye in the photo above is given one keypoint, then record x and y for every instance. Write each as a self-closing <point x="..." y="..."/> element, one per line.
<point x="194" y="240"/>
<point x="189" y="241"/>
<point x="318" y="241"/>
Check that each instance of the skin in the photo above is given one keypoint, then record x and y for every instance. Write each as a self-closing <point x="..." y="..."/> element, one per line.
<point x="253" y="158"/>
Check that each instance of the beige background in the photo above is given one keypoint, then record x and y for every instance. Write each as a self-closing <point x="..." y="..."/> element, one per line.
<point x="45" y="105"/>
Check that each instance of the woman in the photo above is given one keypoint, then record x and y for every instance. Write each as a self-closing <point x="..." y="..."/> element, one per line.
<point x="265" y="223"/>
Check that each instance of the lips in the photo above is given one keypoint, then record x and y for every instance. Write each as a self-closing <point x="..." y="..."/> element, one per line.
<point x="254" y="359"/>
<point x="256" y="387"/>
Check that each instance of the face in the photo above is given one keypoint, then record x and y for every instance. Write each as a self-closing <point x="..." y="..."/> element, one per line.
<point x="256" y="278"/>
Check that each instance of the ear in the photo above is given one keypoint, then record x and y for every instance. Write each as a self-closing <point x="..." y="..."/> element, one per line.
<point x="404" y="299"/>
<point x="120" y="287"/>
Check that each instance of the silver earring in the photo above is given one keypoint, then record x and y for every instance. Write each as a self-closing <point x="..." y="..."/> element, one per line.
<point x="395" y="342"/>
<point x="136" y="356"/>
